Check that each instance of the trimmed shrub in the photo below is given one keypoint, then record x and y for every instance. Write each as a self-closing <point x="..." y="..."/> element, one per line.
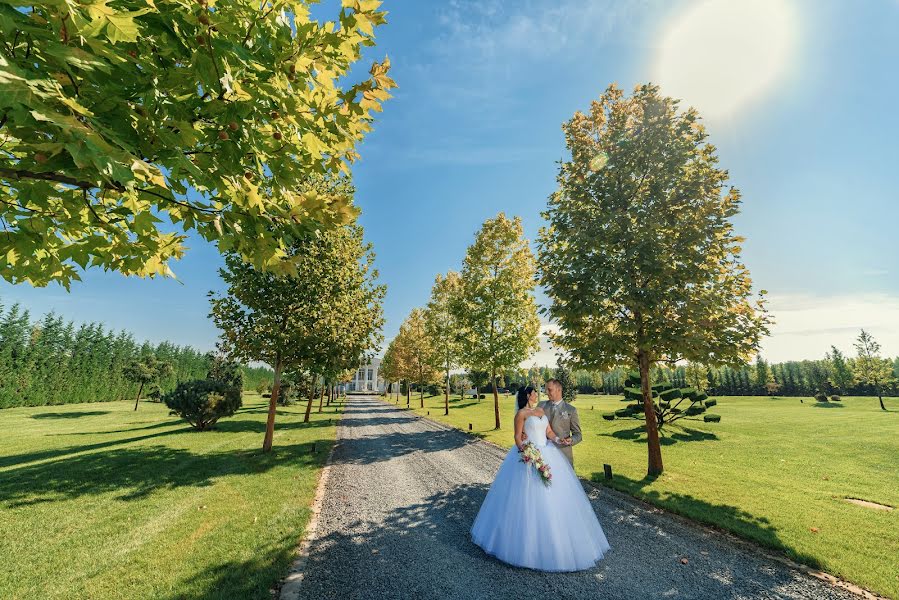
<point x="835" y="398"/>
<point x="695" y="409"/>
<point x="669" y="395"/>
<point x="483" y="397"/>
<point x="710" y="418"/>
<point x="608" y="416"/>
<point x="623" y="412"/>
<point x="710" y="403"/>
<point x="203" y="402"/>
<point x="821" y="397"/>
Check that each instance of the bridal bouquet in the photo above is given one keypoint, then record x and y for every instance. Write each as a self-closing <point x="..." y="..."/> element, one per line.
<point x="530" y="455"/>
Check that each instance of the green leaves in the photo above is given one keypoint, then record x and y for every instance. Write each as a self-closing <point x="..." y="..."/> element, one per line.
<point x="639" y="252"/>
<point x="322" y="315"/>
<point x="107" y="109"/>
<point x="497" y="311"/>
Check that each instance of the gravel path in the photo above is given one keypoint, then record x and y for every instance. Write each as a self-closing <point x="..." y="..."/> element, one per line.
<point x="401" y="496"/>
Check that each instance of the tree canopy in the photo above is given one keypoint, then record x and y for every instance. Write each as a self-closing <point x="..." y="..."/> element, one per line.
<point x="115" y="118"/>
<point x="443" y="327"/>
<point x="639" y="255"/>
<point x="414" y="352"/>
<point x="321" y="320"/>
<point x="497" y="312"/>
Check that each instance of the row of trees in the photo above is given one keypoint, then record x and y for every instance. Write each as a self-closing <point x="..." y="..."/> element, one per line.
<point x="639" y="259"/>
<point x="483" y="318"/>
<point x="314" y="322"/>
<point x="248" y="146"/>
<point x="54" y="361"/>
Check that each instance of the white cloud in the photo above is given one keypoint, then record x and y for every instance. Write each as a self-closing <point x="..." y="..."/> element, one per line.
<point x="488" y="44"/>
<point x="806" y="326"/>
<point x="546" y="355"/>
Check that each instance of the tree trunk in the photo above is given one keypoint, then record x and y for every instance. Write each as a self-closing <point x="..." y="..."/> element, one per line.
<point x="495" y="401"/>
<point x="652" y="427"/>
<point x="408" y="394"/>
<point x="141" y="389"/>
<point x="879" y="397"/>
<point x="311" y="398"/>
<point x="446" y="395"/>
<point x="272" y="407"/>
<point x="321" y="398"/>
<point x="421" y="393"/>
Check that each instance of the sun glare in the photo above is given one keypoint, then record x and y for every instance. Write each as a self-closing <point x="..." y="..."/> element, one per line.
<point x="721" y="55"/>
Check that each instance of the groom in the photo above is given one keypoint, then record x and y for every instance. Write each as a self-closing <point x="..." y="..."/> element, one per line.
<point x="563" y="419"/>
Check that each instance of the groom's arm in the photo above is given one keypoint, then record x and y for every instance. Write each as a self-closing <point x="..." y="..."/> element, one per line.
<point x="576" y="435"/>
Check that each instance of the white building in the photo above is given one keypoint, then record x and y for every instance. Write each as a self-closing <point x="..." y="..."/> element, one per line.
<point x="366" y="378"/>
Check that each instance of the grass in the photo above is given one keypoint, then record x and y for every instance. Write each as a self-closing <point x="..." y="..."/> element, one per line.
<point x="774" y="470"/>
<point x="99" y="501"/>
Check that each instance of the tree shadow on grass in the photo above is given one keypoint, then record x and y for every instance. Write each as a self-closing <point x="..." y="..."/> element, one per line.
<point x="250" y="579"/>
<point x="668" y="436"/>
<point x="172" y="422"/>
<point x="135" y="472"/>
<point x="29" y="457"/>
<point x="181" y="427"/>
<point x="70" y="415"/>
<point x="244" y="425"/>
<point x="758" y="529"/>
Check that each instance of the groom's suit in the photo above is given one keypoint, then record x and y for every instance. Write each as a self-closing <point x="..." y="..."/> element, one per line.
<point x="565" y="423"/>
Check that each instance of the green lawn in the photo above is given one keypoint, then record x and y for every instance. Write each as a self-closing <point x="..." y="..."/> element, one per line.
<point x="774" y="470"/>
<point x="98" y="501"/>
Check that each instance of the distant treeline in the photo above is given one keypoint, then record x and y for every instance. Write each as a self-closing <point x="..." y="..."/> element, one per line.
<point x="53" y="361"/>
<point x="832" y="375"/>
<point x="793" y="378"/>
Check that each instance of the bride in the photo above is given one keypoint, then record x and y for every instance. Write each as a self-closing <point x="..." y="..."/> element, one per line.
<point x="529" y="521"/>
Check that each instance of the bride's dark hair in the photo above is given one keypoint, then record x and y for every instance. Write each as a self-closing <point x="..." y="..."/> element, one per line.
<point x="523" y="394"/>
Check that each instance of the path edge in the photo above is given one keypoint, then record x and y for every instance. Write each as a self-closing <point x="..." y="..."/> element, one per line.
<point x="289" y="586"/>
<point x="747" y="545"/>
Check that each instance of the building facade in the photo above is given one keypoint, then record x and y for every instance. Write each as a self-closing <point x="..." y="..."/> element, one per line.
<point x="367" y="379"/>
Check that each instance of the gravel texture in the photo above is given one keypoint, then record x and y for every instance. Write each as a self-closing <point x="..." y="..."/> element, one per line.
<point x="402" y="494"/>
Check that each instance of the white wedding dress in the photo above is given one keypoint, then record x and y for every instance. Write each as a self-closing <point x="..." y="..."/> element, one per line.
<point x="526" y="523"/>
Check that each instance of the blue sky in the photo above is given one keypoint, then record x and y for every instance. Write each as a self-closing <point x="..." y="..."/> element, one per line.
<point x="474" y="129"/>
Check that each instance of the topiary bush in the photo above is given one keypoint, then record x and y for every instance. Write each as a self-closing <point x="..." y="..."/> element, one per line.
<point x="821" y="397"/>
<point x="483" y="396"/>
<point x="710" y="418"/>
<point x="670" y="403"/>
<point x="835" y="398"/>
<point x="203" y="402"/>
